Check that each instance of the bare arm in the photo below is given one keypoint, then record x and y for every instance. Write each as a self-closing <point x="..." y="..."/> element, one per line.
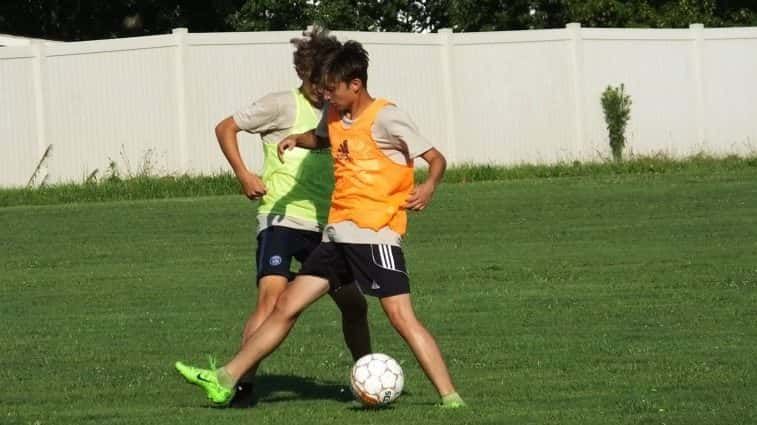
<point x="226" y="133"/>
<point x="423" y="193"/>
<point x="307" y="140"/>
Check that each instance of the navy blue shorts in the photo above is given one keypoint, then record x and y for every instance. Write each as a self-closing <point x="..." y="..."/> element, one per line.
<point x="379" y="270"/>
<point x="277" y="246"/>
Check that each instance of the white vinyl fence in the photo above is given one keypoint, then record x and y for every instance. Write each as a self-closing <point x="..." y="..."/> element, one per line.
<point x="149" y="104"/>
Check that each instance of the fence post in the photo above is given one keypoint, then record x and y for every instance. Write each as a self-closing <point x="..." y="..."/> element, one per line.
<point x="448" y="88"/>
<point x="577" y="65"/>
<point x="181" y="105"/>
<point x="697" y="35"/>
<point x="39" y="77"/>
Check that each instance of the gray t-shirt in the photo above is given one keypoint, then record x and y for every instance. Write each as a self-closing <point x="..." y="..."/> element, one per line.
<point x="274" y="115"/>
<point x="393" y="130"/>
<point x="271" y="114"/>
<point x="398" y="138"/>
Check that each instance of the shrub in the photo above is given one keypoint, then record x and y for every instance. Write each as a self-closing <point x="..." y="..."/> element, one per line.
<point x="617" y="108"/>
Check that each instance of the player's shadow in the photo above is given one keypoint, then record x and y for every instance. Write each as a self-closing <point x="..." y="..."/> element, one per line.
<point x="284" y="388"/>
<point x="278" y="388"/>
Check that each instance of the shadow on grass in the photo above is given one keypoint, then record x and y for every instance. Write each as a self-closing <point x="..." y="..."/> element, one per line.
<point x="282" y="388"/>
<point x="277" y="388"/>
<point x="271" y="388"/>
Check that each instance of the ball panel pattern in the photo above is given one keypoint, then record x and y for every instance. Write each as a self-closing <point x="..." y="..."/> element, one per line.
<point x="376" y="379"/>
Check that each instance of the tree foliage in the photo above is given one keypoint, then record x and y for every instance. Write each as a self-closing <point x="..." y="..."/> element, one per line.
<point x="89" y="19"/>
<point x="71" y="20"/>
<point x="356" y="15"/>
<point x="271" y="15"/>
<point x="489" y="15"/>
<point x="497" y="15"/>
<point x="645" y="13"/>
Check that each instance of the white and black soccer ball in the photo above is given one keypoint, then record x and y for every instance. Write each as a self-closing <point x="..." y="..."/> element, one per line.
<point x="376" y="380"/>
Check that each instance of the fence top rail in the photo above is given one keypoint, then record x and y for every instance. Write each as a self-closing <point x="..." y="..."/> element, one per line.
<point x="236" y="38"/>
<point x="378" y="38"/>
<point x="733" y="33"/>
<point x="499" y="37"/>
<point x="16" y="52"/>
<point x="637" y="34"/>
<point x="283" y="37"/>
<point x="392" y="38"/>
<point x="8" y="40"/>
<point x="12" y="41"/>
<point x="111" y="45"/>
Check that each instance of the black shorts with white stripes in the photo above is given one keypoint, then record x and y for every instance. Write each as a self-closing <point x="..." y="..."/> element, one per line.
<point x="379" y="270"/>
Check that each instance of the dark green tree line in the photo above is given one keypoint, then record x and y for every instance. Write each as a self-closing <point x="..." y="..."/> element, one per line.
<point x="71" y="20"/>
<point x="90" y="19"/>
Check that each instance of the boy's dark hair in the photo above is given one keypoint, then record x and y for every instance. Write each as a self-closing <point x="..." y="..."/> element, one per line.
<point x="310" y="51"/>
<point x="348" y="63"/>
<point x="321" y="59"/>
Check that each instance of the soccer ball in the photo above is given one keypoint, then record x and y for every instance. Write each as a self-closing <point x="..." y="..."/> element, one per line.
<point x="376" y="380"/>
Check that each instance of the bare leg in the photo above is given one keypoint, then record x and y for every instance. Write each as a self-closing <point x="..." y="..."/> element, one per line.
<point x="354" y="308"/>
<point x="297" y="297"/>
<point x="269" y="289"/>
<point x="400" y="312"/>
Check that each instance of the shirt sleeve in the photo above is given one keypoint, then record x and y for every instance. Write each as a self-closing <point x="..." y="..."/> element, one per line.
<point x="269" y="113"/>
<point x="394" y="127"/>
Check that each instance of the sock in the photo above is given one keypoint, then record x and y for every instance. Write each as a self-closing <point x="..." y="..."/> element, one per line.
<point x="452" y="399"/>
<point x="225" y="379"/>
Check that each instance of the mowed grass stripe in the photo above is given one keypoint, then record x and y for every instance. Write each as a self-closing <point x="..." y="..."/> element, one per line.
<point x="581" y="300"/>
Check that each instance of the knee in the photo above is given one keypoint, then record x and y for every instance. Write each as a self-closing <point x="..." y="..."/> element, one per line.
<point x="401" y="320"/>
<point x="266" y="304"/>
<point x="269" y="290"/>
<point x="283" y="308"/>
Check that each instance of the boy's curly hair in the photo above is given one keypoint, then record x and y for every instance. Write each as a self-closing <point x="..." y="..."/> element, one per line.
<point x="312" y="50"/>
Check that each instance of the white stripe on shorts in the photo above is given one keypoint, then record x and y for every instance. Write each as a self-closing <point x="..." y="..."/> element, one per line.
<point x="391" y="256"/>
<point x="386" y="261"/>
<point x="382" y="253"/>
<point x="387" y="257"/>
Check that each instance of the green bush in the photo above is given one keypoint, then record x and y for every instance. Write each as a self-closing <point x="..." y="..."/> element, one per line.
<point x="617" y="108"/>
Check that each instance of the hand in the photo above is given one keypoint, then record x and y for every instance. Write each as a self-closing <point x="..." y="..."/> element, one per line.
<point x="252" y="186"/>
<point x="288" y="143"/>
<point x="420" y="197"/>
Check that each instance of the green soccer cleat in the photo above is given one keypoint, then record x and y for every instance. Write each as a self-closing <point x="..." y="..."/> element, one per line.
<point x="452" y="405"/>
<point x="206" y="379"/>
<point x="452" y="401"/>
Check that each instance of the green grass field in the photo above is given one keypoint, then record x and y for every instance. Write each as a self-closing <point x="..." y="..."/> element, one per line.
<point x="577" y="300"/>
